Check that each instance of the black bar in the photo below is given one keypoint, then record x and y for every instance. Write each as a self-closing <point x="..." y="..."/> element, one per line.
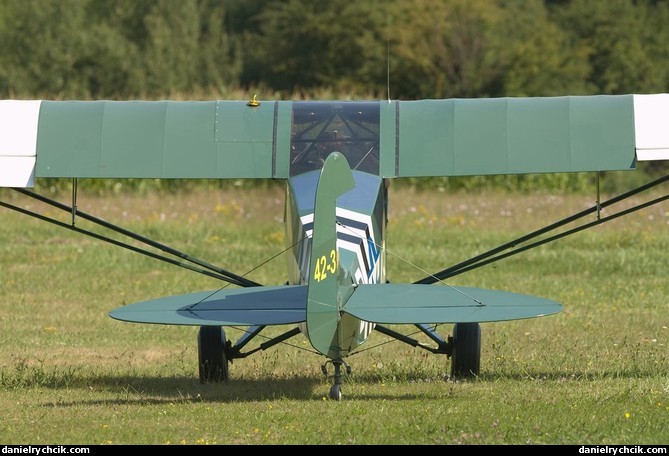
<point x="233" y="278"/>
<point x="556" y="237"/>
<point x="117" y="243"/>
<point x="466" y="265"/>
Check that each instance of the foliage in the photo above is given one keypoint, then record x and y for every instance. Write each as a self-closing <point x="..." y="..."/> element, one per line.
<point x="306" y="49"/>
<point x="430" y="49"/>
<point x="626" y="43"/>
<point x="119" y="49"/>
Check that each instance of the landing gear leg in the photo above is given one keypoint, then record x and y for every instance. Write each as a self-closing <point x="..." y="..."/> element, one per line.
<point x="335" y="389"/>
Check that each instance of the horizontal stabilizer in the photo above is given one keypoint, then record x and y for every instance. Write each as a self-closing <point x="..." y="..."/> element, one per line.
<point x="414" y="304"/>
<point x="278" y="305"/>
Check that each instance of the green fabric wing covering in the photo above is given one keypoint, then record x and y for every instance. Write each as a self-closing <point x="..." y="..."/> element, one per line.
<point x="461" y="137"/>
<point x="414" y="304"/>
<point x="276" y="305"/>
<point x="155" y="139"/>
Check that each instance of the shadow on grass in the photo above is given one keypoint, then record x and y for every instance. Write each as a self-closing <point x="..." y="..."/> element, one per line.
<point x="154" y="390"/>
<point x="520" y="376"/>
<point x="148" y="389"/>
<point x="139" y="389"/>
<point x="571" y="376"/>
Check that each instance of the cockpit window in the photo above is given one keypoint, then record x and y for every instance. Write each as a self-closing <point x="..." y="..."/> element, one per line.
<point x="322" y="127"/>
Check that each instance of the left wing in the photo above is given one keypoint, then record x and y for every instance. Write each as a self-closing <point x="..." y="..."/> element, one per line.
<point x="139" y="139"/>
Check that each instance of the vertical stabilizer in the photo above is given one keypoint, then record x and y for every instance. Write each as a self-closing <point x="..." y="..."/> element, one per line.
<point x="325" y="295"/>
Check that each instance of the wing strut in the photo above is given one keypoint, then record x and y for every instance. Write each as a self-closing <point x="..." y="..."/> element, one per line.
<point x="492" y="255"/>
<point x="209" y="269"/>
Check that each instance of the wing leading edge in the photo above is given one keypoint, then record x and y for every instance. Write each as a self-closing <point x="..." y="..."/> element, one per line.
<point x="277" y="305"/>
<point x="378" y="303"/>
<point x="415" y="304"/>
<point x="230" y="139"/>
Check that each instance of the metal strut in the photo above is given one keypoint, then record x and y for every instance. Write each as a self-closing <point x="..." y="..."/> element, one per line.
<point x="209" y="269"/>
<point x="489" y="256"/>
<point x="443" y="346"/>
<point x="74" y="200"/>
<point x="236" y="349"/>
<point x="335" y="389"/>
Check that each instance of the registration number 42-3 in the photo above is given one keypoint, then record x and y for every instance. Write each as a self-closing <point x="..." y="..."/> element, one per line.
<point x="325" y="265"/>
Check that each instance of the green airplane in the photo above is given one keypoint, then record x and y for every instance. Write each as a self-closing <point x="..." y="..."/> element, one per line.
<point x="337" y="159"/>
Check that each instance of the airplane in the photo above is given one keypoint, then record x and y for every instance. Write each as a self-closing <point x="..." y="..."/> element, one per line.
<point x="337" y="159"/>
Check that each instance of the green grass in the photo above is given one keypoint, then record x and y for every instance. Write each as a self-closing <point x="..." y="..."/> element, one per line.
<point x="596" y="373"/>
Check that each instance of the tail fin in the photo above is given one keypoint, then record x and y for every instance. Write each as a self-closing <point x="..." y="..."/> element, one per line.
<point x="328" y="289"/>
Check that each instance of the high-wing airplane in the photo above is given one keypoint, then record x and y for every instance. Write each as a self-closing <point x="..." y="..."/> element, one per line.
<point x="336" y="158"/>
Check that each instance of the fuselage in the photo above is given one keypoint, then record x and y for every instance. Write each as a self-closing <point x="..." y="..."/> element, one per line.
<point x="351" y="129"/>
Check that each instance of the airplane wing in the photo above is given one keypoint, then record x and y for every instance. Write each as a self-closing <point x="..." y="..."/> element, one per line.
<point x="230" y="139"/>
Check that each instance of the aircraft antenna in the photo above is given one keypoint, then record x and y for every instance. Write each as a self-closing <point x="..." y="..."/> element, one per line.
<point x="388" y="68"/>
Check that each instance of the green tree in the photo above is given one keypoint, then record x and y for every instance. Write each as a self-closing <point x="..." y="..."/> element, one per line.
<point x="181" y="46"/>
<point x="114" y="49"/>
<point x="537" y="57"/>
<point x="304" y="44"/>
<point x="44" y="48"/>
<point x="626" y="41"/>
<point x="482" y="48"/>
<point x="442" y="49"/>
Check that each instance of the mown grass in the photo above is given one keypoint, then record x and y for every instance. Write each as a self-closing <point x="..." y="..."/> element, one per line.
<point x="596" y="373"/>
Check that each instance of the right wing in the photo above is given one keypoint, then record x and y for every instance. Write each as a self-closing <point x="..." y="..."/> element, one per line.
<point x="460" y="137"/>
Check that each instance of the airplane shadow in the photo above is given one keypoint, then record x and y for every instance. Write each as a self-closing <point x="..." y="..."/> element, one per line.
<point x="184" y="389"/>
<point x="151" y="390"/>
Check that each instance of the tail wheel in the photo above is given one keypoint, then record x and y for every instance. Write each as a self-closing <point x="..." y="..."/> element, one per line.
<point x="211" y="354"/>
<point x="466" y="355"/>
<point x="335" y="392"/>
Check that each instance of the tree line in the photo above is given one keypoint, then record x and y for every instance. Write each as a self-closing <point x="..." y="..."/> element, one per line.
<point x="405" y="49"/>
<point x="336" y="49"/>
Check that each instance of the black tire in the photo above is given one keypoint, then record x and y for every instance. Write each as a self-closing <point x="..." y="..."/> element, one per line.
<point x="211" y="354"/>
<point x="335" y="392"/>
<point x="466" y="356"/>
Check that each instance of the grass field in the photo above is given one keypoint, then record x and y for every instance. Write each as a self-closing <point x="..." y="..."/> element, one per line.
<point x="596" y="373"/>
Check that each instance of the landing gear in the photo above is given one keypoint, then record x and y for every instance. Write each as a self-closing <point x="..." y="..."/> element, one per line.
<point x="335" y="389"/>
<point x="466" y="351"/>
<point x="212" y="359"/>
<point x="335" y="392"/>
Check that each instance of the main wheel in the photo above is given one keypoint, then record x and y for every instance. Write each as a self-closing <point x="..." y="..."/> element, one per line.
<point x="211" y="354"/>
<point x="466" y="355"/>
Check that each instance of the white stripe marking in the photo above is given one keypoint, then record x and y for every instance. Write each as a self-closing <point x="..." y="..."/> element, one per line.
<point x="18" y="142"/>
<point x="17" y="171"/>
<point x="651" y="126"/>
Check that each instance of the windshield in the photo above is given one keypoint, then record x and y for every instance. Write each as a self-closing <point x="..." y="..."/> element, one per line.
<point x="322" y="127"/>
